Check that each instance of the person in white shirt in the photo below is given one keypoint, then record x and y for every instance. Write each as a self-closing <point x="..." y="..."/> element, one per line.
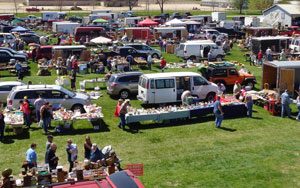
<point x="149" y="61"/>
<point x="38" y="103"/>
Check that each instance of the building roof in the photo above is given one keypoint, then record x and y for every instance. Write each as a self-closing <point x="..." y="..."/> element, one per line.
<point x="272" y="38"/>
<point x="288" y="8"/>
<point x="284" y="64"/>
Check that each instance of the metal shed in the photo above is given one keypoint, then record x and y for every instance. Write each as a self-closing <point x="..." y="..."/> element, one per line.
<point x="282" y="75"/>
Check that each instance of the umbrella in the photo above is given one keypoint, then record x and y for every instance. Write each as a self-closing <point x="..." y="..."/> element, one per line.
<point x="175" y="22"/>
<point x="147" y="23"/>
<point x="20" y="29"/>
<point x="99" y="20"/>
<point x="101" y="40"/>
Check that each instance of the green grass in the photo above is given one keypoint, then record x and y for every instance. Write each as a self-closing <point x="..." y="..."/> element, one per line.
<point x="258" y="152"/>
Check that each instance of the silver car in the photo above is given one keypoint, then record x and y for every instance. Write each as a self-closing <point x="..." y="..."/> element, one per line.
<point x="123" y="85"/>
<point x="144" y="48"/>
<point x="54" y="94"/>
<point x="6" y="87"/>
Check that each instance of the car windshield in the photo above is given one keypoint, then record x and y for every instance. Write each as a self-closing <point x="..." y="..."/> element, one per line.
<point x="68" y="92"/>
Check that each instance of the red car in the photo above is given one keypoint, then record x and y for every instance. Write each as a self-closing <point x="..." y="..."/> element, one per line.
<point x="122" y="179"/>
<point x="292" y="30"/>
<point x="32" y="9"/>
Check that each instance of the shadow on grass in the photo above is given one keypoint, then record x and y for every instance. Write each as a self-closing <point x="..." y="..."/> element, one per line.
<point x="227" y="129"/>
<point x="103" y="127"/>
<point x="136" y="127"/>
<point x="10" y="139"/>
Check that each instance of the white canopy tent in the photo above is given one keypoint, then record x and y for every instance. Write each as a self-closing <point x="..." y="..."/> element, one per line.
<point x="175" y="23"/>
<point x="101" y="40"/>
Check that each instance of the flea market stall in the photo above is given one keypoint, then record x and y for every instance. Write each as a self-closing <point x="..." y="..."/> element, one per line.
<point x="231" y="108"/>
<point x="65" y="117"/>
<point x="282" y="75"/>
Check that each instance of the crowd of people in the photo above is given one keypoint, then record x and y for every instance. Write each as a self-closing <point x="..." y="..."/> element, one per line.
<point x="92" y="153"/>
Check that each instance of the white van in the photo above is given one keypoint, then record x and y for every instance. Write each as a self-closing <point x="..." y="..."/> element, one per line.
<point x="295" y="44"/>
<point x="199" y="50"/>
<point x="168" y="87"/>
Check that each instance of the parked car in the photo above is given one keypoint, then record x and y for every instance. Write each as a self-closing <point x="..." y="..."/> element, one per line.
<point x="168" y="87"/>
<point x="32" y="9"/>
<point x="199" y="49"/>
<point x="176" y="15"/>
<point x="144" y="48"/>
<point x="123" y="84"/>
<point x="7" y="37"/>
<point x="6" y="87"/>
<point x="125" y="51"/>
<point x="227" y="74"/>
<point x="52" y="93"/>
<point x="14" y="51"/>
<point x="30" y="38"/>
<point x="6" y="56"/>
<point x="32" y="18"/>
<point x="213" y="34"/>
<point x="232" y="33"/>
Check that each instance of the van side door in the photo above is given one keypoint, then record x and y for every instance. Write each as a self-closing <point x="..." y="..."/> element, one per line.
<point x="199" y="87"/>
<point x="165" y="90"/>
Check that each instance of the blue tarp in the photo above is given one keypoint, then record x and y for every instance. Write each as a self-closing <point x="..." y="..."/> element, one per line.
<point x="20" y="29"/>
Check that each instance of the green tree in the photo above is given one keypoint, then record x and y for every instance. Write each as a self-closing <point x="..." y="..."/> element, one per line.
<point x="260" y="4"/>
<point x="239" y="4"/>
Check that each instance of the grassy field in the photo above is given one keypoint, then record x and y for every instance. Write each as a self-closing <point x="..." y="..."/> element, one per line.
<point x="259" y="152"/>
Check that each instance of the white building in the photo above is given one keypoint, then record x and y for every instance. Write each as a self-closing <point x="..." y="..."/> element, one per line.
<point x="282" y="15"/>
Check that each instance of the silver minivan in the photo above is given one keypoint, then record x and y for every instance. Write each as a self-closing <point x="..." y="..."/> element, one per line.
<point x="144" y="48"/>
<point x="54" y="94"/>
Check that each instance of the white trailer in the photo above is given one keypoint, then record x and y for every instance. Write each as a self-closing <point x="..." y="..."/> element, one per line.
<point x="218" y="16"/>
<point x="132" y="20"/>
<point x="64" y="27"/>
<point x="47" y="16"/>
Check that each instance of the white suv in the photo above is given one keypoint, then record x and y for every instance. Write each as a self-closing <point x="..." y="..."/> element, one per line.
<point x="52" y="93"/>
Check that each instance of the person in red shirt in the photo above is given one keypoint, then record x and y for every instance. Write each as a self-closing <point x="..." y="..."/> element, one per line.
<point x="259" y="57"/>
<point x="25" y="108"/>
<point x="163" y="64"/>
<point x="75" y="65"/>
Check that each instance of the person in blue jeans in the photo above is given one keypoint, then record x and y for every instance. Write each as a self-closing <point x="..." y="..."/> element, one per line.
<point x="123" y="112"/>
<point x="285" y="104"/>
<point x="249" y="105"/>
<point x="218" y="112"/>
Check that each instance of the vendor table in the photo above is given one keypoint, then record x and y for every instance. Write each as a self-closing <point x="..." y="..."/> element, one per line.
<point x="232" y="110"/>
<point x="14" y="119"/>
<point x="83" y="83"/>
<point x="157" y="117"/>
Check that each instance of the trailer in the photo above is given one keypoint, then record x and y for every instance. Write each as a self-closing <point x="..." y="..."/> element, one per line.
<point x="65" y="27"/>
<point x="170" y="32"/>
<point x="275" y="43"/>
<point x="52" y="16"/>
<point x="251" y="21"/>
<point x="139" y="33"/>
<point x="281" y="75"/>
<point x="132" y="21"/>
<point x="218" y="16"/>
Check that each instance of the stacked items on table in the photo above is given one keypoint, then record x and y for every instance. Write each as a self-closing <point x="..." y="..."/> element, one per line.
<point x="63" y="81"/>
<point x="231" y="108"/>
<point x="14" y="118"/>
<point x="92" y="112"/>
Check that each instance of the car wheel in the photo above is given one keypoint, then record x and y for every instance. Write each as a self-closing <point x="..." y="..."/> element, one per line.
<point x="124" y="94"/>
<point x="155" y="56"/>
<point x="192" y="58"/>
<point x="250" y="84"/>
<point x="219" y="58"/>
<point x="210" y="96"/>
<point x="78" y="107"/>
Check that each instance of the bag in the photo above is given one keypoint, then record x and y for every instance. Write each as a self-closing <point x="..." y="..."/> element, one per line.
<point x="41" y="123"/>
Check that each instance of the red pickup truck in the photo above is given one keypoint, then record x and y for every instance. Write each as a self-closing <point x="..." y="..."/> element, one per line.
<point x="292" y="30"/>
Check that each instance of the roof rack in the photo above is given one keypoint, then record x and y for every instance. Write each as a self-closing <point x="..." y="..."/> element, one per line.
<point x="221" y="64"/>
